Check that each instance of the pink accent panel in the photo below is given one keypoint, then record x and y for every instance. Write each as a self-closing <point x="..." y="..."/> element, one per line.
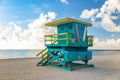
<point x="78" y="35"/>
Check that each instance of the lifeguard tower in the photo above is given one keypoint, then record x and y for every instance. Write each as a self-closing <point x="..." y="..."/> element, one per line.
<point x="67" y="47"/>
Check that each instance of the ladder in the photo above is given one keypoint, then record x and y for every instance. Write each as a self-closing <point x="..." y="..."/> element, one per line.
<point x="44" y="57"/>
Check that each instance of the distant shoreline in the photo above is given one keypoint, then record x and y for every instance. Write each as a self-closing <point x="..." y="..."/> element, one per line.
<point x="88" y="49"/>
<point x="103" y="50"/>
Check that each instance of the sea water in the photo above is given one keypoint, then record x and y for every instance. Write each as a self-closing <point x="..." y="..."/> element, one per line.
<point x="6" y="54"/>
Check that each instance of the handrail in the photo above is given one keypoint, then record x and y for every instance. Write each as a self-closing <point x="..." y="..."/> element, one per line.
<point x="61" y="39"/>
<point x="56" y="37"/>
<point x="57" y="34"/>
<point x="41" y="52"/>
<point x="90" y="40"/>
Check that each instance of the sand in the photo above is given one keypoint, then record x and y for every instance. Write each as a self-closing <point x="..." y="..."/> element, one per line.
<point x="107" y="67"/>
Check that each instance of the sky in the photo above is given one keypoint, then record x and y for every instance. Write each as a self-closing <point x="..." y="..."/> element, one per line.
<point x="22" y="22"/>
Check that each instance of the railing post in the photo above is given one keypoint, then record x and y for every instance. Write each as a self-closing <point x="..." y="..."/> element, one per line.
<point x="58" y="39"/>
<point x="67" y="39"/>
<point x="42" y="57"/>
<point x="51" y="39"/>
<point x="45" y="40"/>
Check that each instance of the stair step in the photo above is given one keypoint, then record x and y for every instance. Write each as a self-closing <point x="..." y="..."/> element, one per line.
<point x="44" y="57"/>
<point x="44" y="54"/>
<point x="42" y="63"/>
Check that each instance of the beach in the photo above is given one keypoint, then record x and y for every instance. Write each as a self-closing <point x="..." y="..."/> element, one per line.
<point x="107" y="67"/>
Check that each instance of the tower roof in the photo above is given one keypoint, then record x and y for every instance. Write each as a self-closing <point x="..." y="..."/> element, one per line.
<point x="66" y="20"/>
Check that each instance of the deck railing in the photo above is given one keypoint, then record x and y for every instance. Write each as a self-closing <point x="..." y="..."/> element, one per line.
<point x="90" y="40"/>
<point x="56" y="38"/>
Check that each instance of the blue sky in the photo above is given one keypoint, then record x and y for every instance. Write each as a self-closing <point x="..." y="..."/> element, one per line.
<point x="13" y="10"/>
<point x="18" y="19"/>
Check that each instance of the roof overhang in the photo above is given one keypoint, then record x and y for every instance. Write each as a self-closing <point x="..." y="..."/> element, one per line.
<point x="66" y="20"/>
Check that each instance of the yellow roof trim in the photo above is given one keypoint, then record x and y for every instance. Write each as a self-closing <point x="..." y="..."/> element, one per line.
<point x="66" y="20"/>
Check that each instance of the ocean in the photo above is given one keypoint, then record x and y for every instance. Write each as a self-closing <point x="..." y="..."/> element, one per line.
<point x="7" y="54"/>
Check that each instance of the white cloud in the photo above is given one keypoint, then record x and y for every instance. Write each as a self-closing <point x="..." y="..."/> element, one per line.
<point x="107" y="44"/>
<point x="108" y="24"/>
<point x="14" y="37"/>
<point x="64" y="1"/>
<point x="88" y="13"/>
<point x="104" y="17"/>
<point x="114" y="17"/>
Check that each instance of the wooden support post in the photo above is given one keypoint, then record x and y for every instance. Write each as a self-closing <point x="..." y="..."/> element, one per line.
<point x="58" y="39"/>
<point x="67" y="35"/>
<point x="45" y="40"/>
<point x="51" y="39"/>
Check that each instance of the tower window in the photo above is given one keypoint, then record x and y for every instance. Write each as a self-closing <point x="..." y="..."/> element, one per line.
<point x="70" y="27"/>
